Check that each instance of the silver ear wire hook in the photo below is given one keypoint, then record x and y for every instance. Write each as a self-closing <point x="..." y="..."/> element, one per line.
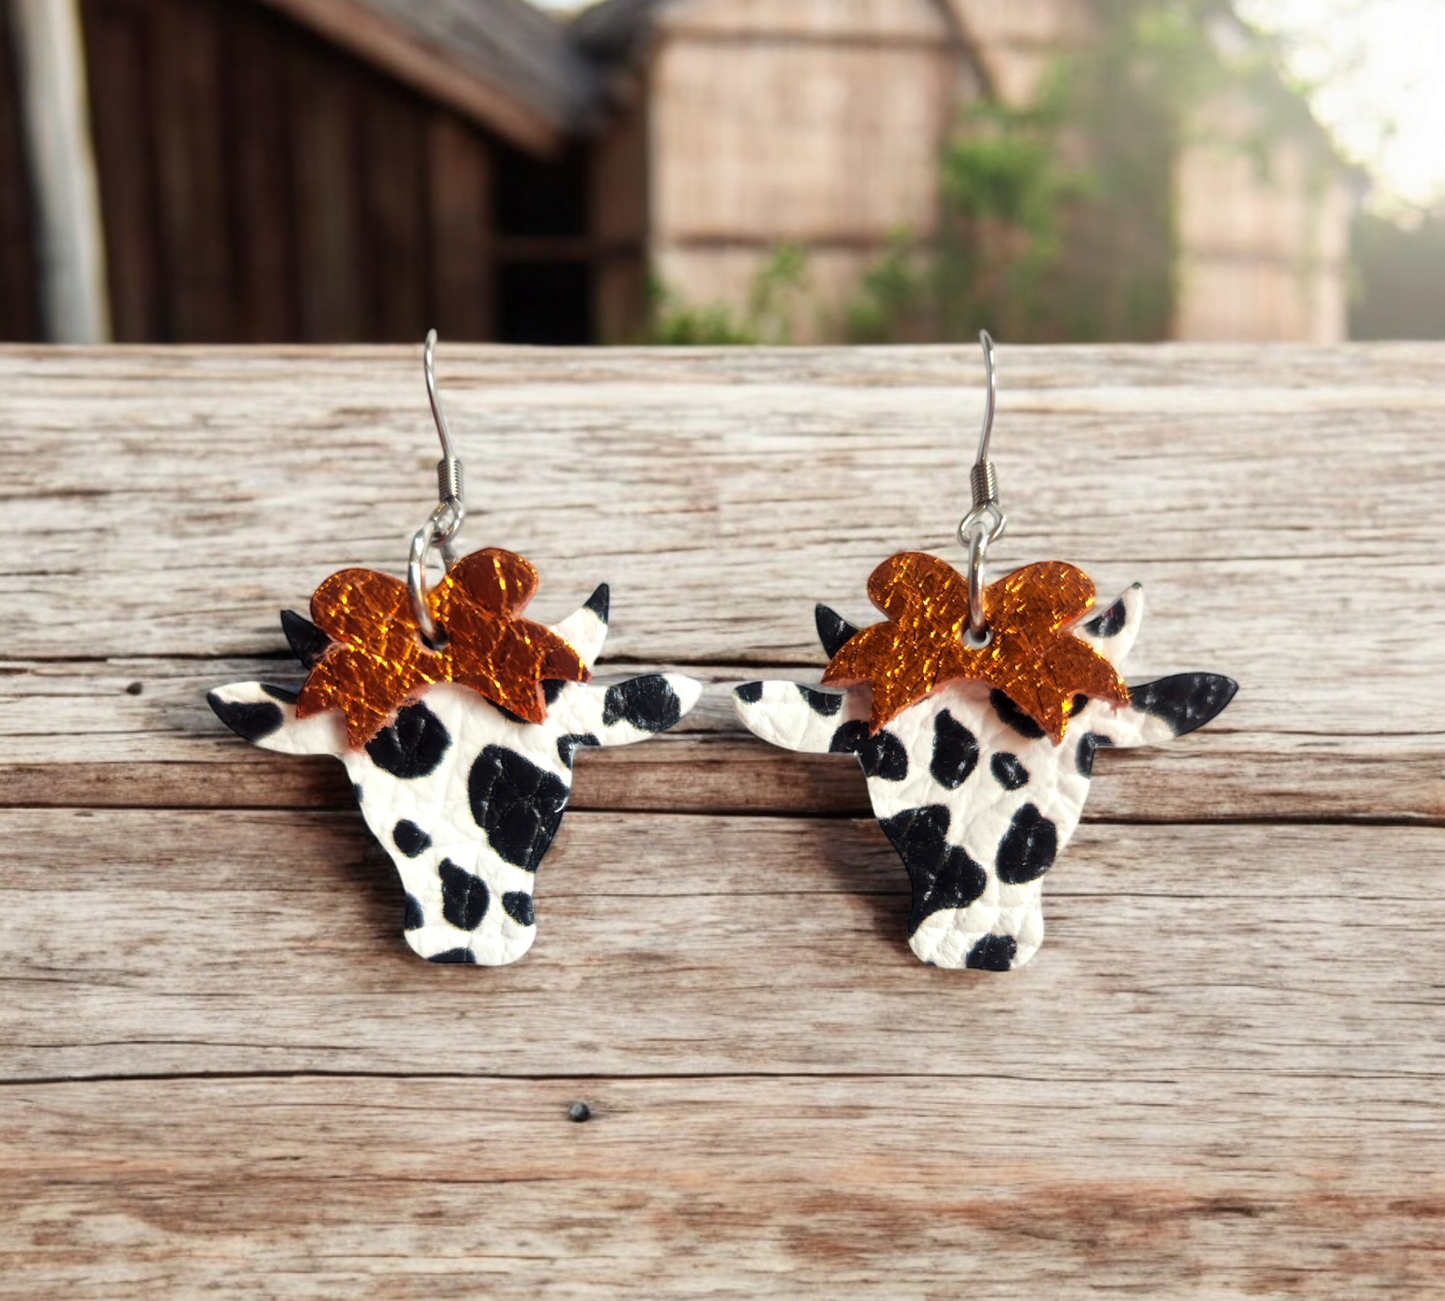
<point x="985" y="522"/>
<point x="445" y="521"/>
<point x="449" y="468"/>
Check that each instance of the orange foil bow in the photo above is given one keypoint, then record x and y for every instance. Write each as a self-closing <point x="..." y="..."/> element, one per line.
<point x="1031" y="657"/>
<point x="378" y="660"/>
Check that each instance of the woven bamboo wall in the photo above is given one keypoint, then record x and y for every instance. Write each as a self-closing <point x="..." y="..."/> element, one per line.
<point x="1262" y="249"/>
<point x="817" y="122"/>
<point x="1018" y="41"/>
<point x="1263" y="246"/>
<point x="779" y="121"/>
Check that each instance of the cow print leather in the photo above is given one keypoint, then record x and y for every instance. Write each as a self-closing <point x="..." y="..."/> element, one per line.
<point x="465" y="797"/>
<point x="976" y="799"/>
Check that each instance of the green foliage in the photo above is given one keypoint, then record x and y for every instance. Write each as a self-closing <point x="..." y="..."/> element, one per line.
<point x="773" y="302"/>
<point x="1005" y="189"/>
<point x="1057" y="221"/>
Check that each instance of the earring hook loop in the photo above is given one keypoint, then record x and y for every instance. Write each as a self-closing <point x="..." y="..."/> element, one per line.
<point x="985" y="522"/>
<point x="446" y="520"/>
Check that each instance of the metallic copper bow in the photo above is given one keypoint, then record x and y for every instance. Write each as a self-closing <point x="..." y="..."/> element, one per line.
<point x="1032" y="657"/>
<point x="377" y="659"/>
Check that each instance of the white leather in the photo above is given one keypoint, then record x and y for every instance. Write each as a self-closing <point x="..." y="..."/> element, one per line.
<point x="439" y="803"/>
<point x="981" y="809"/>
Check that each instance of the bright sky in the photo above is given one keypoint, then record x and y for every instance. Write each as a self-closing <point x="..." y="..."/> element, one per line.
<point x="1379" y="66"/>
<point x="1379" y="69"/>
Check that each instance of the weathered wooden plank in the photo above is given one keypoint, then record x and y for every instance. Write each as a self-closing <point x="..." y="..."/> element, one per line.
<point x="165" y="942"/>
<point x="130" y="733"/>
<point x="1220" y="1077"/>
<point x="1173" y="483"/>
<point x="723" y="494"/>
<point x="722" y="1188"/>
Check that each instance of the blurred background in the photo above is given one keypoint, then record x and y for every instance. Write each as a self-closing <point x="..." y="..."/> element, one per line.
<point x="721" y="171"/>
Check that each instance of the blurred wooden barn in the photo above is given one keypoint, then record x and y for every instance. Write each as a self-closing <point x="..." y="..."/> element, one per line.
<point x="1263" y="204"/>
<point x="330" y="170"/>
<point x="819" y="123"/>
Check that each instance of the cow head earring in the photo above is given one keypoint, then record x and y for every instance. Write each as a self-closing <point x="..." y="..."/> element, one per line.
<point x="976" y="711"/>
<point x="457" y="720"/>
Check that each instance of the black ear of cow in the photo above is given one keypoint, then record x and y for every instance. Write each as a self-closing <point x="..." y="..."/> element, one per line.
<point x="1186" y="700"/>
<point x="307" y="640"/>
<point x="833" y="629"/>
<point x="600" y="601"/>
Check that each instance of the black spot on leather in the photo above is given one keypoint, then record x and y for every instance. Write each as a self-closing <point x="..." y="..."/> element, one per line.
<point x="516" y="804"/>
<point x="551" y="689"/>
<point x="749" y="693"/>
<point x="283" y="694"/>
<point x="942" y="875"/>
<point x="568" y="745"/>
<point x="600" y="601"/>
<point x="882" y="755"/>
<point x="413" y="745"/>
<point x="834" y="631"/>
<point x="1007" y="771"/>
<point x="1185" y="701"/>
<point x="1013" y="716"/>
<point x="826" y="703"/>
<point x="1028" y="847"/>
<point x="955" y="752"/>
<point x="252" y="720"/>
<point x="308" y="642"/>
<point x="1110" y="623"/>
<point x="453" y="955"/>
<point x="508" y="714"/>
<point x="464" y="897"/>
<point x="357" y="791"/>
<point x="1077" y="705"/>
<point x="648" y="703"/>
<point x="410" y="838"/>
<point x="992" y="953"/>
<point x="517" y="904"/>
<point x="1089" y="745"/>
<point x="413" y="920"/>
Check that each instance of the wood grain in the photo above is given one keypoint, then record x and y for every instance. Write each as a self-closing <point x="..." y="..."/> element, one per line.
<point x="260" y="185"/>
<point x="222" y="1071"/>
<point x="713" y="945"/>
<point x="724" y="1187"/>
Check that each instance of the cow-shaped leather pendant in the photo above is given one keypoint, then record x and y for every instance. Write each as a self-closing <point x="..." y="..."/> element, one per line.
<point x="978" y="759"/>
<point x="460" y="754"/>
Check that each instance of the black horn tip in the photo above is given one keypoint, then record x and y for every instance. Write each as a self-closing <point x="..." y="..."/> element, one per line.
<point x="834" y="630"/>
<point x="308" y="642"/>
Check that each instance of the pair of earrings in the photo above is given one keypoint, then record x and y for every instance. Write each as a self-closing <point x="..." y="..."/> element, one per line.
<point x="974" y="709"/>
